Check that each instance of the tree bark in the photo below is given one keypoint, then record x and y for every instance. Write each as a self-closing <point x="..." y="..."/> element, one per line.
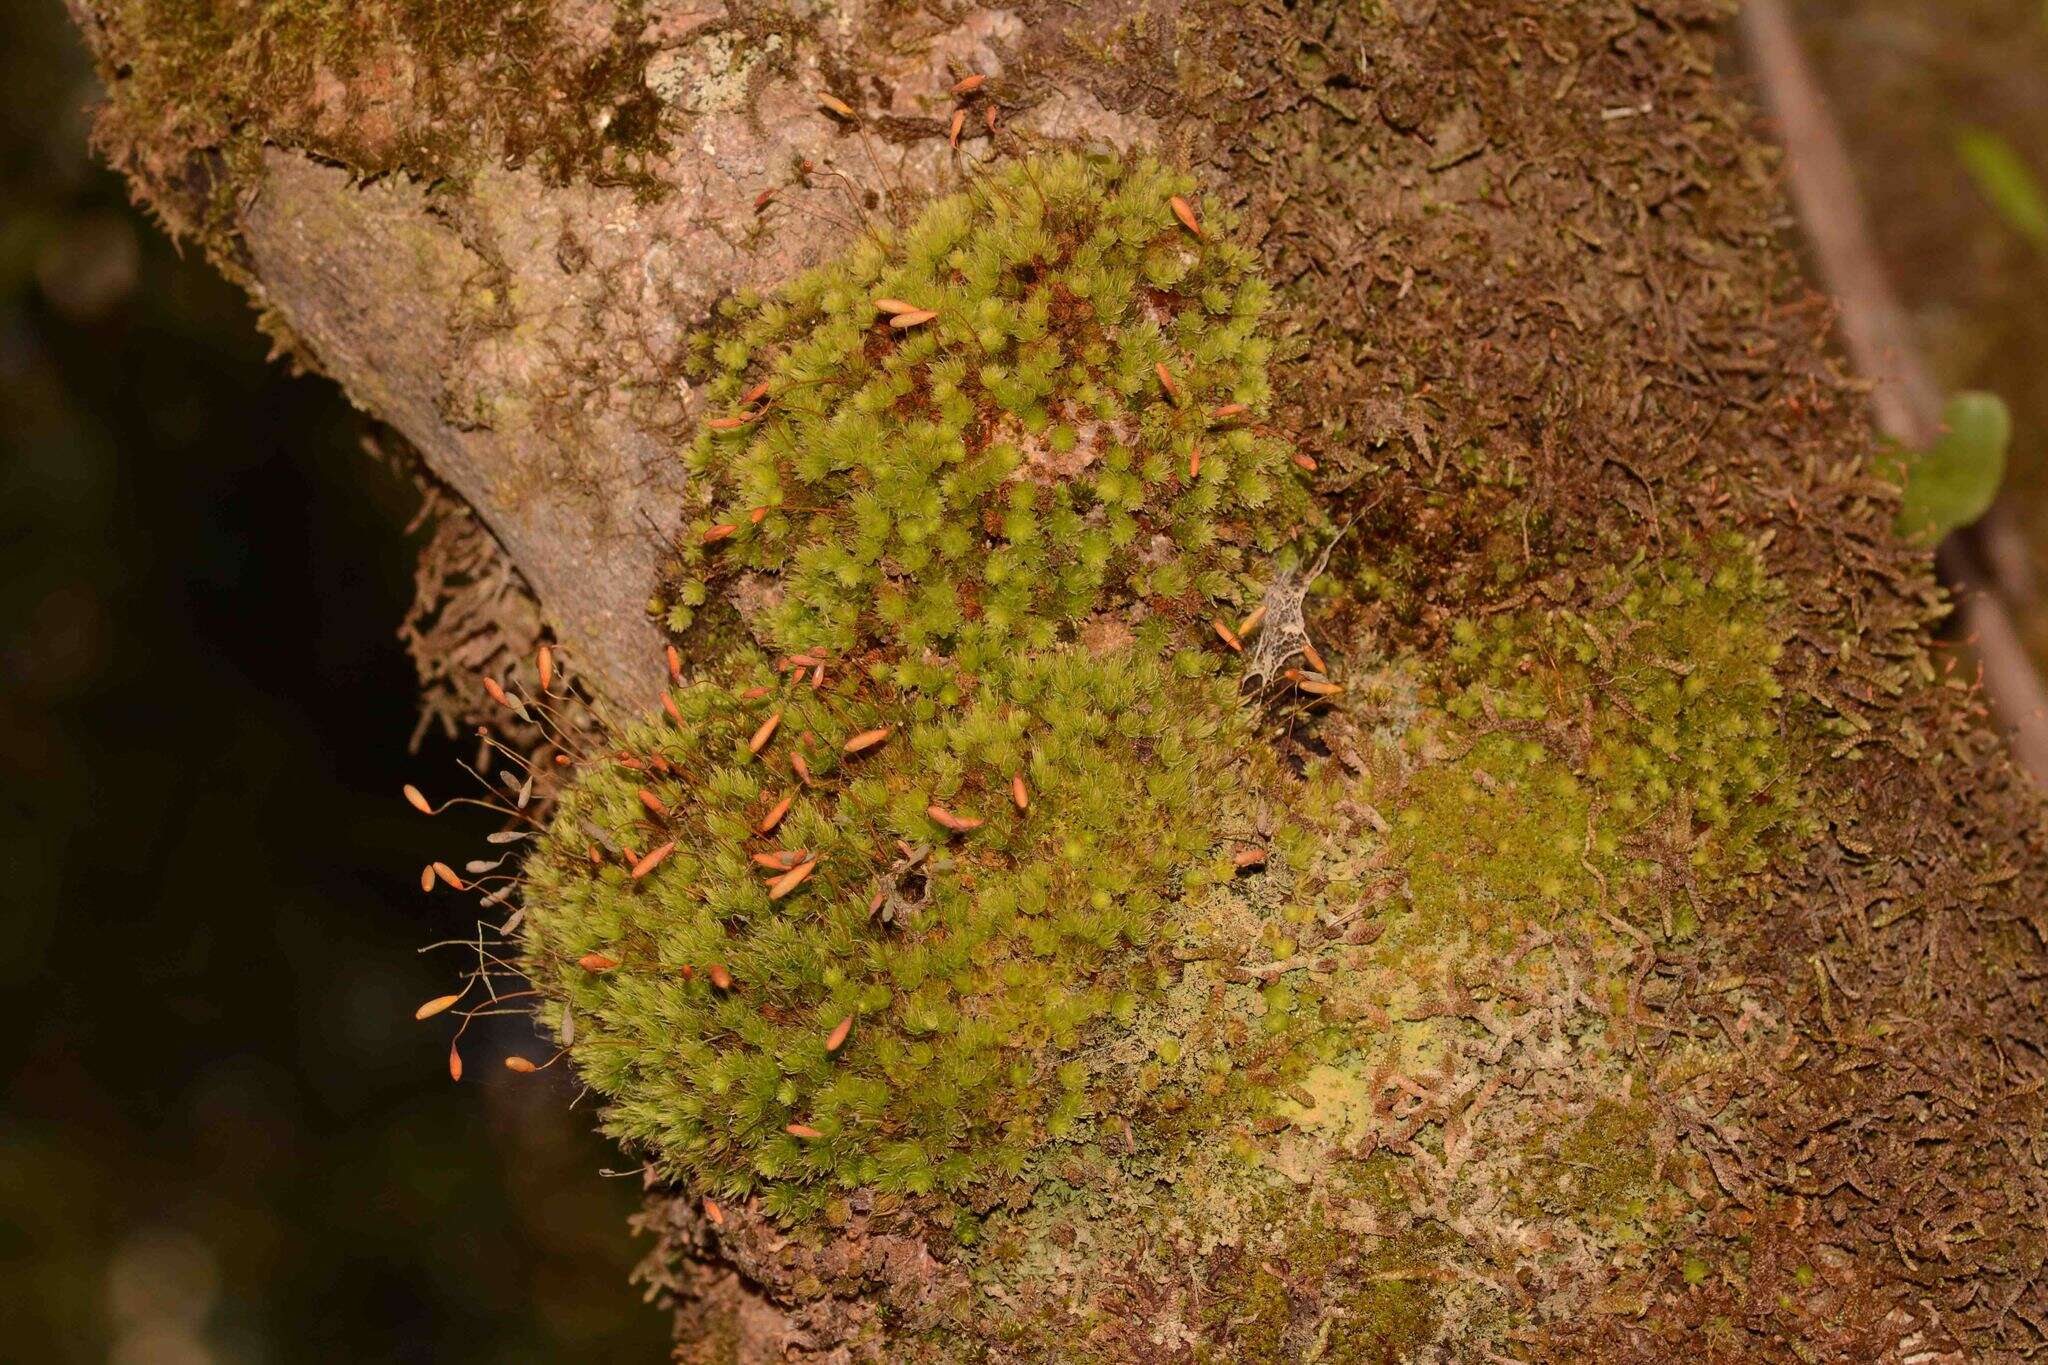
<point x="1535" y="233"/>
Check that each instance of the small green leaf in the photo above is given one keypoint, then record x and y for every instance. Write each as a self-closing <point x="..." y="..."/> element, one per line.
<point x="2007" y="182"/>
<point x="1952" y="483"/>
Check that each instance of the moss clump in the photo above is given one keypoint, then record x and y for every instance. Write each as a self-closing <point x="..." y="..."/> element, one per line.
<point x="1605" y="1166"/>
<point x="1070" y="1027"/>
<point x="1253" y="1314"/>
<point x="421" y="87"/>
<point x="1066" y="433"/>
<point x="1605" y="757"/>
<point x="966" y="571"/>
<point x="972" y="963"/>
<point x="1386" y="1322"/>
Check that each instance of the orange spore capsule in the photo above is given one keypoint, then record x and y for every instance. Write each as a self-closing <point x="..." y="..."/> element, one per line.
<point x="959" y="824"/>
<point x="653" y="860"/>
<point x="868" y="739"/>
<point x="791" y="880"/>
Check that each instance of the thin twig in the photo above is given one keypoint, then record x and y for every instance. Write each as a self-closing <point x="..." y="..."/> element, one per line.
<point x="1905" y="400"/>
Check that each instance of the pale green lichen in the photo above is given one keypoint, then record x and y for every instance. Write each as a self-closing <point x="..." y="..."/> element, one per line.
<point x="711" y="74"/>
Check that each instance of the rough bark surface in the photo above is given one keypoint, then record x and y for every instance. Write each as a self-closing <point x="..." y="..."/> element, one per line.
<point x="1539" y="234"/>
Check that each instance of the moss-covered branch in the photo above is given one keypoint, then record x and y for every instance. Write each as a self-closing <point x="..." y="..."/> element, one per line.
<point x="1585" y="923"/>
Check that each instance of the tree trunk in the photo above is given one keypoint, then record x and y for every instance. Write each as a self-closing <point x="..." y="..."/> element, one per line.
<point x="1541" y="335"/>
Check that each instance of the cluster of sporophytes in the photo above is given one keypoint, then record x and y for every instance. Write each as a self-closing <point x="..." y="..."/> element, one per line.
<point x="959" y="721"/>
<point x="1034" y="404"/>
<point x="956" y="870"/>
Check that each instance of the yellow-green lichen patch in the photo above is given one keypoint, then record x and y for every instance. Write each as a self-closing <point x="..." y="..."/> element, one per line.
<point x="711" y="74"/>
<point x="891" y="900"/>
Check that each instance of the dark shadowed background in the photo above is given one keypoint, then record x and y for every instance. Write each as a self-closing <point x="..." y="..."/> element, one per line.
<point x="223" y="1137"/>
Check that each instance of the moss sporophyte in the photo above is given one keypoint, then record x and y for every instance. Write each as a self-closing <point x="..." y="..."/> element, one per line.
<point x="959" y="871"/>
<point x="948" y="773"/>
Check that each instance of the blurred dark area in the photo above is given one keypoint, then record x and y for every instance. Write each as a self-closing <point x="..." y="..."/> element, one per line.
<point x="224" y="1138"/>
<point x="1944" y="107"/>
